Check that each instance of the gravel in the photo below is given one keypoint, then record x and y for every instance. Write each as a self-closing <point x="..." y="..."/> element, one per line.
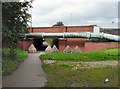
<point x="81" y="64"/>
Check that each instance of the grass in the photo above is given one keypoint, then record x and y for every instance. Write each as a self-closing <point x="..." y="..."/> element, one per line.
<point x="9" y="63"/>
<point x="100" y="55"/>
<point x="64" y="76"/>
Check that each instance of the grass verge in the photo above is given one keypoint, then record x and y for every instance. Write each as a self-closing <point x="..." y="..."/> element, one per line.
<point x="64" y="76"/>
<point x="9" y="63"/>
<point x="100" y="55"/>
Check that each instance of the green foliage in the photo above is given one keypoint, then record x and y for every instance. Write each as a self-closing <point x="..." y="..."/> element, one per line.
<point x="64" y="65"/>
<point x="58" y="24"/>
<point x="10" y="62"/>
<point x="49" y="41"/>
<point x="106" y="54"/>
<point x="15" y="18"/>
<point x="8" y="66"/>
<point x="9" y="53"/>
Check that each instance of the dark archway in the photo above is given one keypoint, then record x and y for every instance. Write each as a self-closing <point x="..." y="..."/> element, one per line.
<point x="38" y="43"/>
<point x="56" y="42"/>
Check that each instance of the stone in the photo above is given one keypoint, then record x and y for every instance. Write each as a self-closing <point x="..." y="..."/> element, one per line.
<point x="49" y="49"/>
<point x="106" y="80"/>
<point x="32" y="49"/>
<point x="67" y="50"/>
<point x="55" y="49"/>
<point x="77" y="50"/>
<point x="45" y="43"/>
<point x="49" y="61"/>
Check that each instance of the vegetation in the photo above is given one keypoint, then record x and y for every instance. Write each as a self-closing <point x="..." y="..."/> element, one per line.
<point x="9" y="62"/>
<point x="51" y="41"/>
<point x="58" y="24"/>
<point x="84" y="77"/>
<point x="106" y="54"/>
<point x="14" y="22"/>
<point x="15" y="18"/>
<point x="69" y="74"/>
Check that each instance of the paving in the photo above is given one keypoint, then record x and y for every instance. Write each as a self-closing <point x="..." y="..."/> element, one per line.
<point x="29" y="74"/>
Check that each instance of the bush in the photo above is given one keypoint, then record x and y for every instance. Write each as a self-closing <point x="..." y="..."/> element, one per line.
<point x="11" y="59"/>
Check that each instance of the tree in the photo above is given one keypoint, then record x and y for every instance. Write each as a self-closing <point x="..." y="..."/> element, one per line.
<point x="58" y="24"/>
<point x="15" y="18"/>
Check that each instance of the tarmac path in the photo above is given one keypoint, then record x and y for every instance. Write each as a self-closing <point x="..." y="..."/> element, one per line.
<point x="29" y="74"/>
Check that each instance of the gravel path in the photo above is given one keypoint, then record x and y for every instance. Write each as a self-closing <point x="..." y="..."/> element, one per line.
<point x="29" y="74"/>
<point x="82" y="64"/>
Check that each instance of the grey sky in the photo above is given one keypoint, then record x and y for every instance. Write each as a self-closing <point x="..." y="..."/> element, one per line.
<point x="75" y="12"/>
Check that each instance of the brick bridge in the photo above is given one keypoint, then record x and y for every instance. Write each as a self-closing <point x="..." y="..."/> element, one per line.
<point x="84" y="43"/>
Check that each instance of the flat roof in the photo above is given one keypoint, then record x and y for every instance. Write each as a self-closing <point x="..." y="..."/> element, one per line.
<point x="64" y="26"/>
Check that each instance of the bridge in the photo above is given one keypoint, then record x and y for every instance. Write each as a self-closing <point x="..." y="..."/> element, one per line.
<point x="69" y="35"/>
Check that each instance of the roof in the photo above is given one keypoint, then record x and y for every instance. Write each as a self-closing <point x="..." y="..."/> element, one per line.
<point x="64" y="26"/>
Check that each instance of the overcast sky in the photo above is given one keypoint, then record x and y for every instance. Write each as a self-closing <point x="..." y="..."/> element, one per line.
<point x="103" y="13"/>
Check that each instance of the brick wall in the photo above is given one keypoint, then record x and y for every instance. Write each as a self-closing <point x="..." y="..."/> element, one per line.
<point x="84" y="46"/>
<point x="80" y="29"/>
<point x="91" y="46"/>
<point x="48" y="29"/>
<point x="24" y="44"/>
<point x="72" y="42"/>
<point x="62" y="44"/>
<point x="62" y="29"/>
